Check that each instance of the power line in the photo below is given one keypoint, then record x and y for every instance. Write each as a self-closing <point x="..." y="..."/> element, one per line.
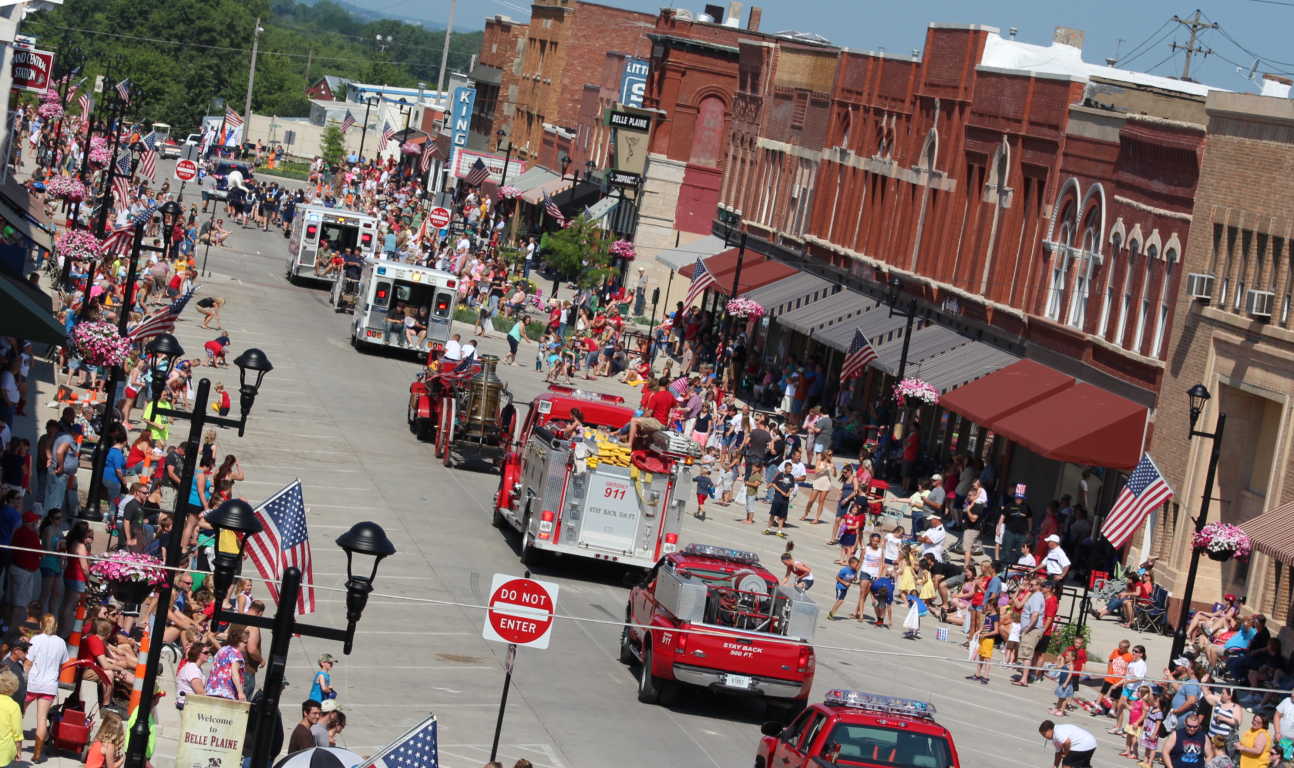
<point x="1129" y="57"/>
<point x="1194" y="27"/>
<point x="1133" y="50"/>
<point x="1161" y="62"/>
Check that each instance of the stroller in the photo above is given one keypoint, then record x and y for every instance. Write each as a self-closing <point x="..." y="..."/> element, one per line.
<point x="71" y="723"/>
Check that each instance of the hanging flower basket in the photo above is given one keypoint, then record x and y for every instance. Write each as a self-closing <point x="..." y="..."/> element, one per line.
<point x="744" y="308"/>
<point x="50" y="110"/>
<point x="922" y="392"/>
<point x="1223" y="541"/>
<point x="77" y="243"/>
<point x="623" y="249"/>
<point x="100" y="154"/>
<point x="66" y="188"/>
<point x="509" y="192"/>
<point x="125" y="567"/>
<point x="409" y="148"/>
<point x="98" y="343"/>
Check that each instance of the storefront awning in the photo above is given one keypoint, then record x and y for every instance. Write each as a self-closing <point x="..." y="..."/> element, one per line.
<point x="721" y="264"/>
<point x="553" y="186"/>
<point x="960" y="365"/>
<point x="599" y="211"/>
<point x="1056" y="416"/>
<point x="754" y="275"/>
<point x="686" y="254"/>
<point x="29" y="229"/>
<point x="1272" y="533"/>
<point x="531" y="178"/>
<point x="790" y="293"/>
<point x="31" y="314"/>
<point x="833" y="320"/>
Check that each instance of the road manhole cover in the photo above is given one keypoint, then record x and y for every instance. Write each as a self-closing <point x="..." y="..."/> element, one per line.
<point x="456" y="658"/>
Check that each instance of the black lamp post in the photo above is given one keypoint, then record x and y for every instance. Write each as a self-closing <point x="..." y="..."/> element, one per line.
<point x="163" y="352"/>
<point x="363" y="133"/>
<point x="731" y="220"/>
<point x="910" y="314"/>
<point x="565" y="160"/>
<point x="366" y="539"/>
<point x="500" y="135"/>
<point x="1199" y="398"/>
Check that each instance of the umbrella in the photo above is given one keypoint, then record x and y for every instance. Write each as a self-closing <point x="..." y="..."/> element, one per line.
<point x="320" y="757"/>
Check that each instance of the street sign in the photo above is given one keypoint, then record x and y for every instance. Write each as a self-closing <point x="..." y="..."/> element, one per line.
<point x="520" y="611"/>
<point x="31" y="69"/>
<point x="186" y="170"/>
<point x="439" y="217"/>
<point x="624" y="178"/>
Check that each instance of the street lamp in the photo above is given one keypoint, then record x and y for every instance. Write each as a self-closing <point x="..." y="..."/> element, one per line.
<point x="369" y="103"/>
<point x="894" y="294"/>
<point x="499" y="136"/>
<point x="1198" y="397"/>
<point x="731" y="220"/>
<point x="366" y="540"/>
<point x="161" y="355"/>
<point x="565" y="160"/>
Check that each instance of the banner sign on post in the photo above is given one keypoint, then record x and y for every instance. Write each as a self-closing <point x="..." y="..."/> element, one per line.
<point x="460" y="120"/>
<point x="464" y="159"/>
<point x="633" y="83"/>
<point x="32" y="69"/>
<point x="211" y="732"/>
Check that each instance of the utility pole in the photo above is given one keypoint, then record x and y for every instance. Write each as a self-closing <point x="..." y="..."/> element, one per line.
<point x="1194" y="26"/>
<point x="251" y="80"/>
<point x="310" y="57"/>
<point x="444" y="53"/>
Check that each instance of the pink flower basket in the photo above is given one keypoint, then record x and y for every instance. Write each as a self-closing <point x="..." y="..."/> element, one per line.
<point x="744" y="308"/>
<point x="98" y="343"/>
<point x="78" y="243"/>
<point x="623" y="249"/>
<point x="50" y="110"/>
<point x="409" y="148"/>
<point x="65" y="188"/>
<point x="1222" y="541"/>
<point x="509" y="192"/>
<point x="122" y="566"/>
<point x="920" y="391"/>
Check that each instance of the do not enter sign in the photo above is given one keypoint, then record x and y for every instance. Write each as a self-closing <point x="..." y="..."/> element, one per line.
<point x="520" y="611"/>
<point x="186" y="170"/>
<point x="439" y="217"/>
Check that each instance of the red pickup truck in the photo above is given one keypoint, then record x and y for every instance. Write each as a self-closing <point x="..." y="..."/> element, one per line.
<point x="852" y="728"/>
<point x="714" y="617"/>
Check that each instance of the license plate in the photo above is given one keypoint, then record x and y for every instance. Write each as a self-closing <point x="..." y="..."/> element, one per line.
<point x="736" y="681"/>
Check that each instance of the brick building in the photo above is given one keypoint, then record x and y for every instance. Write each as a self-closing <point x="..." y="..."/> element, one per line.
<point x="566" y="47"/>
<point x="1235" y="335"/>
<point x="498" y="67"/>
<point x="1031" y="204"/>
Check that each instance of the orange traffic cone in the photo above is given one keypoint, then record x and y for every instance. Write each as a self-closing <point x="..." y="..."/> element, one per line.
<point x="68" y="675"/>
<point x="137" y="688"/>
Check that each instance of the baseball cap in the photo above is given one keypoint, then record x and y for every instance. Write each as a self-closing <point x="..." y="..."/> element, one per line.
<point x="1181" y="661"/>
<point x="32" y="517"/>
<point x="325" y="658"/>
<point x="936" y="477"/>
<point x="328" y="705"/>
<point x="1053" y="537"/>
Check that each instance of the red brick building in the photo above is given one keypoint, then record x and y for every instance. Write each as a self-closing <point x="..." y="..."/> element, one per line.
<point x="498" y="67"/>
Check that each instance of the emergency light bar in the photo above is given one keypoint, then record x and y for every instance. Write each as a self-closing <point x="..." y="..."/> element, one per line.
<point x="722" y="553"/>
<point x="873" y="702"/>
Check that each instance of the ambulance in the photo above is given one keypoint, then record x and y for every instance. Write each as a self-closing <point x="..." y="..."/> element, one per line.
<point x="320" y="233"/>
<point x="389" y="293"/>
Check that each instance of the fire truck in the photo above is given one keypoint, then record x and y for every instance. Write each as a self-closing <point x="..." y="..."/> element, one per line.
<point x="854" y="728"/>
<point x="581" y="493"/>
<point x="714" y="617"/>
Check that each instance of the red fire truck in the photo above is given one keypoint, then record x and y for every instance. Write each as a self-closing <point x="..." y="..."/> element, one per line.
<point x="853" y="728"/>
<point x="714" y="617"/>
<point x="585" y="493"/>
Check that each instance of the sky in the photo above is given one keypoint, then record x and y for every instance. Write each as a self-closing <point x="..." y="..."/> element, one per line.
<point x="1249" y="28"/>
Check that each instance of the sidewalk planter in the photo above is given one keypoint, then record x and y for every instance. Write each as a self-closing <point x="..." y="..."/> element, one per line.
<point x="1223" y="541"/>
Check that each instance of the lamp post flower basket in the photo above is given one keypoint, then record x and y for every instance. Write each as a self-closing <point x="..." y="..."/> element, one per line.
<point x="1223" y="541"/>
<point x="77" y="243"/>
<point x="509" y="192"/>
<point x="913" y="389"/>
<point x="98" y="343"/>
<point x="409" y="148"/>
<point x="50" y="110"/>
<point x="744" y="308"/>
<point x="129" y="576"/>
<point x="67" y="188"/>
<point x="100" y="154"/>
<point x="623" y="249"/>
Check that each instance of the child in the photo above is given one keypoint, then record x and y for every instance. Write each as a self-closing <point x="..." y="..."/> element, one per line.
<point x="1065" y="679"/>
<point x="988" y="633"/>
<point x="844" y="578"/>
<point x="882" y="599"/>
<point x="1136" y="716"/>
<point x="782" y="485"/>
<point x="704" y="490"/>
<point x="216" y="351"/>
<point x="321" y="688"/>
<point x="798" y="573"/>
<point x="1150" y="724"/>
<point x="752" y="493"/>
<point x="1010" y="623"/>
<point x="849" y="534"/>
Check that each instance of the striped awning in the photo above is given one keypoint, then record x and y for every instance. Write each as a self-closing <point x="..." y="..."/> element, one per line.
<point x="1273" y="532"/>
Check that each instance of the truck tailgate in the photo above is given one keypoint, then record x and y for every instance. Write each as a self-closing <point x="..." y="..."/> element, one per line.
<point x="611" y="514"/>
<point x="744" y="654"/>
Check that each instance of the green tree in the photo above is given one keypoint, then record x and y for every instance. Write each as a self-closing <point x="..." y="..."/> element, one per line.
<point x="579" y="254"/>
<point x="333" y="149"/>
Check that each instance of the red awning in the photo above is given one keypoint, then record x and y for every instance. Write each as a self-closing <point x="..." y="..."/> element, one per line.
<point x="1020" y="384"/>
<point x="1054" y="415"/>
<point x="756" y="276"/>
<point x="723" y="261"/>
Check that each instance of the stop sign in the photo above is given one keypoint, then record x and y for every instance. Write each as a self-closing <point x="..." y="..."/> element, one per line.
<point x="520" y="611"/>
<point x="186" y="170"/>
<point x="439" y="217"/>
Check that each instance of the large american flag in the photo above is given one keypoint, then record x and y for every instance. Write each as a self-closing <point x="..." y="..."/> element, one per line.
<point x="87" y="104"/>
<point x="148" y="162"/>
<point x="480" y="172"/>
<point x="701" y="279"/>
<point x="123" y="90"/>
<point x="232" y="118"/>
<point x="121" y="180"/>
<point x="284" y="543"/>
<point x="121" y="237"/>
<point x="551" y="208"/>
<point x="162" y="321"/>
<point x="860" y="354"/>
<point x="418" y="748"/>
<point x="1145" y="491"/>
<point x="387" y="133"/>
<point x="347" y="122"/>
<point x="428" y="151"/>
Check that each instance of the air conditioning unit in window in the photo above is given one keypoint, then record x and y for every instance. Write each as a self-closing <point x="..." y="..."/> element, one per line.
<point x="1259" y="303"/>
<point x="1199" y="285"/>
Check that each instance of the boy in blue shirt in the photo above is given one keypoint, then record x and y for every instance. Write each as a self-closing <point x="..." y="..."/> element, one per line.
<point x="883" y="598"/>
<point x="844" y="578"/>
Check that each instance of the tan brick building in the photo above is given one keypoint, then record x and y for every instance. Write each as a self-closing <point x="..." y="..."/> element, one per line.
<point x="1234" y="333"/>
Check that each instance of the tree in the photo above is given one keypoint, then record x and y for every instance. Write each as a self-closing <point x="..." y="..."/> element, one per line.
<point x="332" y="148"/>
<point x="579" y="254"/>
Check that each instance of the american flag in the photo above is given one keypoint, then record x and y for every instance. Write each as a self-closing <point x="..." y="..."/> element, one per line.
<point x="417" y="748"/>
<point x="428" y="151"/>
<point x="121" y="192"/>
<point x="480" y="173"/>
<point x="123" y="90"/>
<point x="861" y="352"/>
<point x="148" y="163"/>
<point x="678" y="387"/>
<point x="232" y="118"/>
<point x="284" y="542"/>
<point x="121" y="237"/>
<point x="347" y="122"/>
<point x="162" y="321"/>
<point x="387" y="133"/>
<point x="551" y="208"/>
<point x="701" y="279"/>
<point x="87" y="104"/>
<point x="1145" y="491"/>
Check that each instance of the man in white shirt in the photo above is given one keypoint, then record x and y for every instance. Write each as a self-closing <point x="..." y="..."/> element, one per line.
<point x="468" y="350"/>
<point x="1074" y="745"/>
<point x="932" y="539"/>
<point x="1056" y="562"/>
<point x="1283" y="720"/>
<point x="530" y="258"/>
<point x="453" y="349"/>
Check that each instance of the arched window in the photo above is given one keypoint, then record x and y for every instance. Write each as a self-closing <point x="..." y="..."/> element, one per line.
<point x="1060" y="255"/>
<point x="1143" y="309"/>
<point x="1161" y="324"/>
<point x="1083" y="277"/>
<point x="1108" y="299"/>
<point x="1125" y="306"/>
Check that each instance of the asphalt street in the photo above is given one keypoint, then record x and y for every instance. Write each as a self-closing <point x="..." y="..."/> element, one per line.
<point x="335" y="418"/>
